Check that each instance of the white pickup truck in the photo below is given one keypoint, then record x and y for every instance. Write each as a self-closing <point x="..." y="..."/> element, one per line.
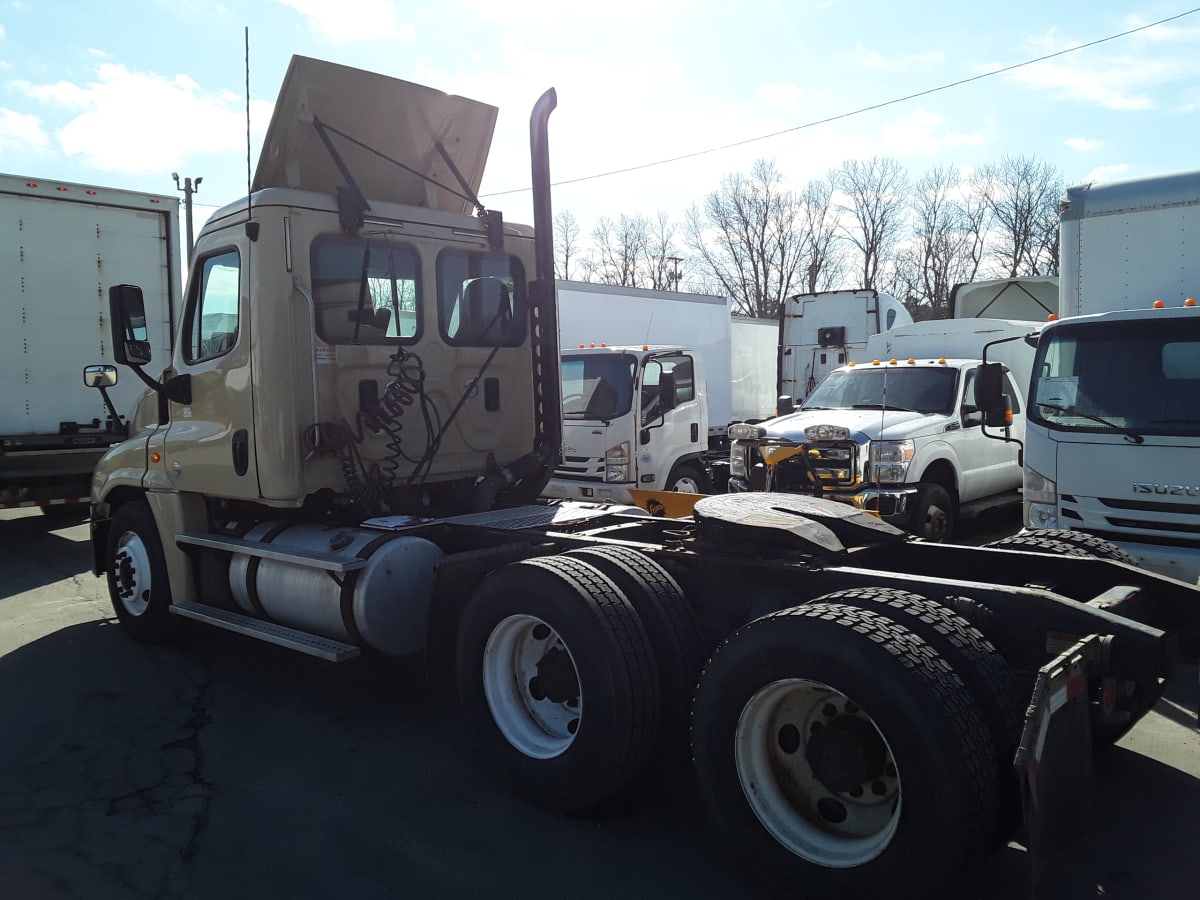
<point x="900" y="437"/>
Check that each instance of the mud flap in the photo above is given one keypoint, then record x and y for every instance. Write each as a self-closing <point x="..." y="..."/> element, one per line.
<point x="1054" y="760"/>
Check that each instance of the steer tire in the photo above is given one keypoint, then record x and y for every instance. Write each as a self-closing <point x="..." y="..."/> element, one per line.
<point x="559" y="628"/>
<point x="1036" y="543"/>
<point x="935" y="516"/>
<point x="672" y="629"/>
<point x="1095" y="546"/>
<point x="137" y="575"/>
<point x="973" y="657"/>
<point x="773" y="718"/>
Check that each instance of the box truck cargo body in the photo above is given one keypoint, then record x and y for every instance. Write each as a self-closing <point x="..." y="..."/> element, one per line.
<point x="66" y="244"/>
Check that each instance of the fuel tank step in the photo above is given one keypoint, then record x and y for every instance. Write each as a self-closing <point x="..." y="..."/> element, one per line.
<point x="280" y="635"/>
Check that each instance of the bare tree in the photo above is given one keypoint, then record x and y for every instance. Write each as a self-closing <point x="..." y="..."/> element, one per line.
<point x="661" y="259"/>
<point x="619" y="247"/>
<point x="1021" y="194"/>
<point x="823" y="264"/>
<point x="747" y="237"/>
<point x="566" y="244"/>
<point x="947" y="245"/>
<point x="877" y="197"/>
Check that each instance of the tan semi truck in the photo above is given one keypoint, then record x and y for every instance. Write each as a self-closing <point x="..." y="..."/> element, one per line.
<point x="343" y="456"/>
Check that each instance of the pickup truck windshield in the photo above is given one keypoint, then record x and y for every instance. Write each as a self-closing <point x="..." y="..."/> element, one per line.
<point x="1132" y="378"/>
<point x="597" y="387"/>
<point x="922" y="390"/>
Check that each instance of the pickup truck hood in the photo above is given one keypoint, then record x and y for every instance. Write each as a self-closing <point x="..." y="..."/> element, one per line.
<point x="864" y="424"/>
<point x="402" y="120"/>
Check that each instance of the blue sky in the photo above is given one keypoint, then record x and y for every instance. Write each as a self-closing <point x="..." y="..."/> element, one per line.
<point x="122" y="94"/>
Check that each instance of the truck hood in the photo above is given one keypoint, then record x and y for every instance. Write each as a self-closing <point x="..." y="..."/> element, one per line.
<point x="398" y="119"/>
<point x="864" y="424"/>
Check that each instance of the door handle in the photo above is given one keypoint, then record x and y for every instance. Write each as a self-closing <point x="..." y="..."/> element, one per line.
<point x="241" y="451"/>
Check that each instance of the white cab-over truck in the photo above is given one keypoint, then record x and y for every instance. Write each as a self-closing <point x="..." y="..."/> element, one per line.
<point x="651" y="381"/>
<point x="1112" y="438"/>
<point x="66" y="244"/>
<point x="344" y="456"/>
<point x="820" y="331"/>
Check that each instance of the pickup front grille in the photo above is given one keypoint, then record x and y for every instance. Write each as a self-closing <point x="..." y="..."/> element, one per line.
<point x="834" y="465"/>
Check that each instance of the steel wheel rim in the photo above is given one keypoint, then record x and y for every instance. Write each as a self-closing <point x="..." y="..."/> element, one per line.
<point x="776" y="734"/>
<point x="686" y="485"/>
<point x="527" y="675"/>
<point x="131" y="571"/>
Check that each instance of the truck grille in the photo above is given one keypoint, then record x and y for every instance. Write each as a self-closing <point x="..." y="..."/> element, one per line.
<point x="581" y="468"/>
<point x="835" y="465"/>
<point x="1176" y="524"/>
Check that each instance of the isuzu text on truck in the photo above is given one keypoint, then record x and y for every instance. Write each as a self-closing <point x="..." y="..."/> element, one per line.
<point x="343" y="456"/>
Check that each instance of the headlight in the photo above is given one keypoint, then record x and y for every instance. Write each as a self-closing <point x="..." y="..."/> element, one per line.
<point x="742" y="431"/>
<point x="616" y="462"/>
<point x="814" y="433"/>
<point x="737" y="460"/>
<point x="1040" y="500"/>
<point x="890" y="459"/>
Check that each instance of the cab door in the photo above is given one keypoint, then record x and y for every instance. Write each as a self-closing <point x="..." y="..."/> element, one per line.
<point x="209" y="444"/>
<point x="989" y="464"/>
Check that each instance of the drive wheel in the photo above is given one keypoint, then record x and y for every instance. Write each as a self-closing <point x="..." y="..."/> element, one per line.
<point x="1095" y="546"/>
<point x="688" y="478"/>
<point x="837" y="750"/>
<point x="973" y="657"/>
<point x="1035" y="542"/>
<point x="670" y="625"/>
<point x="137" y="575"/>
<point x="935" y="515"/>
<point x="559" y="682"/>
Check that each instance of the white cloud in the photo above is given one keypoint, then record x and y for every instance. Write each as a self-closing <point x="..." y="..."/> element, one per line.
<point x="1106" y="173"/>
<point x="1083" y="145"/>
<point x="353" y="20"/>
<point x="21" y="131"/>
<point x="128" y="121"/>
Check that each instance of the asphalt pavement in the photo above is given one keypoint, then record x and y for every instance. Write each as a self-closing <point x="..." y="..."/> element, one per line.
<point x="219" y="767"/>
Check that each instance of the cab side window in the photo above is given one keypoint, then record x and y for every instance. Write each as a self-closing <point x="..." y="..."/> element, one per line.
<point x="213" y="307"/>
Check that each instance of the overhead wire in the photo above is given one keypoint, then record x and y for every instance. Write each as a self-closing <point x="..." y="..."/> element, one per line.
<point x="860" y="110"/>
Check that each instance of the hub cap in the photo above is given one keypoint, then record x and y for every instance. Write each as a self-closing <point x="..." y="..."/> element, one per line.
<point x="532" y="686"/>
<point x="131" y="573"/>
<point x="818" y="773"/>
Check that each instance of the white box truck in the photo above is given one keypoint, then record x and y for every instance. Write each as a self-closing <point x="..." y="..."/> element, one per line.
<point x="623" y="426"/>
<point x="1113" y="428"/>
<point x="66" y="244"/>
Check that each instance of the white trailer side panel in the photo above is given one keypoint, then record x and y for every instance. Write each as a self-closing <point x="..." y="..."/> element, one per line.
<point x="63" y="258"/>
<point x="601" y="313"/>
<point x="755" y="362"/>
<point x="1130" y="243"/>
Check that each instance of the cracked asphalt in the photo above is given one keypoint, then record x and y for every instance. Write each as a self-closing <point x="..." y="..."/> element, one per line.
<point x="219" y="767"/>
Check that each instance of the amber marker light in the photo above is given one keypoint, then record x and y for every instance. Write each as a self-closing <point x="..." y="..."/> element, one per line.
<point x="1158" y="304"/>
<point x="155" y="456"/>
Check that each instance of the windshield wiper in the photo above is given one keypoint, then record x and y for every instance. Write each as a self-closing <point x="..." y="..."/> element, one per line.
<point x="882" y="406"/>
<point x="1129" y="433"/>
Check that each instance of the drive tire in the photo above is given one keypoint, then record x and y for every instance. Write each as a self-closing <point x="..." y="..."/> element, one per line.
<point x="767" y="694"/>
<point x="935" y="516"/>
<point x="672" y="629"/>
<point x="137" y="575"/>
<point x="973" y="657"/>
<point x="1095" y="546"/>
<point x="558" y="682"/>
<point x="1035" y="543"/>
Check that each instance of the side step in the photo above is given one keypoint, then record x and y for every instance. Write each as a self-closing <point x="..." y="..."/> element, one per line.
<point x="280" y="635"/>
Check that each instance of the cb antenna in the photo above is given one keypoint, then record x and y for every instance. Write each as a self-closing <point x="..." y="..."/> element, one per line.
<point x="251" y="227"/>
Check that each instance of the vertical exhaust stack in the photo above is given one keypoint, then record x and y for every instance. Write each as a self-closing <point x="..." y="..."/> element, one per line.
<point x="547" y="388"/>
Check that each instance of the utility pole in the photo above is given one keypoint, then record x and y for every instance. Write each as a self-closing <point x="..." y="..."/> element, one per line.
<point x="675" y="276"/>
<point x="189" y="187"/>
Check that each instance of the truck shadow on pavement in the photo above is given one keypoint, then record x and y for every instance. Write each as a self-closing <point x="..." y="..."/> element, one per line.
<point x="38" y="550"/>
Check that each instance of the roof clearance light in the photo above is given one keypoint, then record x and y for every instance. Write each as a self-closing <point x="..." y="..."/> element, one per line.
<point x="61" y="189"/>
<point x="32" y="184"/>
<point x="875" y="363"/>
<point x="581" y="346"/>
<point x="1158" y="304"/>
<point x="911" y="361"/>
<point x="604" y="343"/>
<point x="592" y="344"/>
<point x="892" y="361"/>
<point x="91" y="193"/>
<point x="1189" y="302"/>
<point x="942" y="360"/>
<point x="155" y="200"/>
<point x="1053" y="317"/>
<point x="851" y="364"/>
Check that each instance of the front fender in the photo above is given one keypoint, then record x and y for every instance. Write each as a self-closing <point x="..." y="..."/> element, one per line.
<point x="934" y="452"/>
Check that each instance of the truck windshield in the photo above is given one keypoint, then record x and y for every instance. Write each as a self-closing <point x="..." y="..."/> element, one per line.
<point x="597" y="387"/>
<point x="922" y="390"/>
<point x="1129" y="377"/>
